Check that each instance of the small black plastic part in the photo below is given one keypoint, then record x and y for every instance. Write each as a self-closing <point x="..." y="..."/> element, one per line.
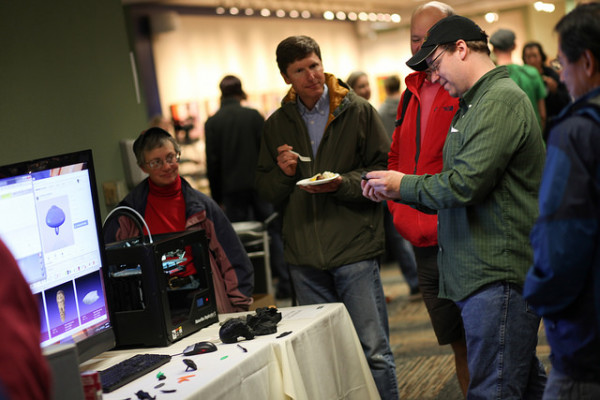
<point x="190" y="364"/>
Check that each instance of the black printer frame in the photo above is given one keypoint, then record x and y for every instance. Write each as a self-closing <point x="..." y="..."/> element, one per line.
<point x="149" y="305"/>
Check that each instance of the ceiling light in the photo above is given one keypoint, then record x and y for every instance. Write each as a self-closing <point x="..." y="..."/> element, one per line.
<point x="541" y="6"/>
<point x="280" y="13"/>
<point x="305" y="14"/>
<point x="491" y="17"/>
<point x="249" y="11"/>
<point x="352" y="16"/>
<point x="328" y="15"/>
<point x="220" y="10"/>
<point x="265" y="12"/>
<point x="234" y="11"/>
<point x="363" y="16"/>
<point x="396" y="18"/>
<point x="294" y="14"/>
<point x="340" y="15"/>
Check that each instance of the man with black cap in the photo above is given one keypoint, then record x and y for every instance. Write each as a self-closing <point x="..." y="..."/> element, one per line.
<point x="527" y="77"/>
<point x="424" y="116"/>
<point x="486" y="199"/>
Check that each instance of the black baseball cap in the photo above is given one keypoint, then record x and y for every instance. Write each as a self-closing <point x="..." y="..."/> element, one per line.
<point x="447" y="30"/>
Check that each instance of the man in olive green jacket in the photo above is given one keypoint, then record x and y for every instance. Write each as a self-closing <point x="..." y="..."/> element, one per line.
<point x="332" y="234"/>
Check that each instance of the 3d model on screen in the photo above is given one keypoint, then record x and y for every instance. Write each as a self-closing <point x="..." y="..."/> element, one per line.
<point x="91" y="297"/>
<point x="55" y="218"/>
<point x="60" y="301"/>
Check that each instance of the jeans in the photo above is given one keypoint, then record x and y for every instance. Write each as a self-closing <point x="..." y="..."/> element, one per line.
<point x="501" y="334"/>
<point x="358" y="286"/>
<point x="563" y="387"/>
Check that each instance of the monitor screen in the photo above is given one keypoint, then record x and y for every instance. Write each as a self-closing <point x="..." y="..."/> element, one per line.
<point x="51" y="223"/>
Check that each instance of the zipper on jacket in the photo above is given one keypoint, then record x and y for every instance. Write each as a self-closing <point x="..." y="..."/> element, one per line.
<point x="317" y="238"/>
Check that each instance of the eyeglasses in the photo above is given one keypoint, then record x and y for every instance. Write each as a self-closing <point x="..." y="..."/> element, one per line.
<point x="433" y="66"/>
<point x="556" y="65"/>
<point x="170" y="159"/>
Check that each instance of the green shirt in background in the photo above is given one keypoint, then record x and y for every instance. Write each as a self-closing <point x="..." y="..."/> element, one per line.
<point x="486" y="195"/>
<point x="529" y="79"/>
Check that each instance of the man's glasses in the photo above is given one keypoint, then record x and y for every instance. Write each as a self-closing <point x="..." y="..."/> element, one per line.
<point x="556" y="65"/>
<point x="159" y="162"/>
<point x="433" y="66"/>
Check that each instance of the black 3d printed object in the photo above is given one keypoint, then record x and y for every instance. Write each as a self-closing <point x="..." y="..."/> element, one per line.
<point x="263" y="322"/>
<point x="233" y="328"/>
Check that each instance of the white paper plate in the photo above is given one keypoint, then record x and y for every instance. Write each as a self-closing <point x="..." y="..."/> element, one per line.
<point x="308" y="182"/>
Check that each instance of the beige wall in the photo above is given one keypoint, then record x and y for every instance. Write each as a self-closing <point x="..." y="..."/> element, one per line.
<point x="191" y="60"/>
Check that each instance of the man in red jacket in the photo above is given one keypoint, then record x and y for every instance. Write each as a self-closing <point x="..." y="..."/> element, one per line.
<point x="424" y="117"/>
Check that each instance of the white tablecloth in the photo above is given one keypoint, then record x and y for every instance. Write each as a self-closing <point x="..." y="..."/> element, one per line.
<point x="321" y="359"/>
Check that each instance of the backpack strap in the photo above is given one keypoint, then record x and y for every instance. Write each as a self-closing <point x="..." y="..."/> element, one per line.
<point x="405" y="100"/>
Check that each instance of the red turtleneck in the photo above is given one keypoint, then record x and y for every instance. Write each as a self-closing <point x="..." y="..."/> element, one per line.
<point x="165" y="213"/>
<point x="165" y="209"/>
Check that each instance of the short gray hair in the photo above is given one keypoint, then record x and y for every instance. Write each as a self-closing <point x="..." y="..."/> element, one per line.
<point x="150" y="140"/>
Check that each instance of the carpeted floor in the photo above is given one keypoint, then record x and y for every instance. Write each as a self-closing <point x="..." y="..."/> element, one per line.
<point x="425" y="370"/>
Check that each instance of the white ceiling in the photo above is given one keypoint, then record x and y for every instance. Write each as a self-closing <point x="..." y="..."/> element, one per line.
<point x="402" y="7"/>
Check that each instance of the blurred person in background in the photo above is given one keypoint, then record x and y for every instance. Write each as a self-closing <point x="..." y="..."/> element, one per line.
<point x="558" y="95"/>
<point x="232" y="144"/>
<point x="359" y="82"/>
<point x="527" y="77"/>
<point x="24" y="372"/>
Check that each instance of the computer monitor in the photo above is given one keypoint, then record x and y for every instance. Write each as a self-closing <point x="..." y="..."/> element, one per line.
<point x="51" y="223"/>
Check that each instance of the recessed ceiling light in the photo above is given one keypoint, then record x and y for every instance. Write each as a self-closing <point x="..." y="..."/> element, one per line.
<point x="545" y="7"/>
<point x="491" y="17"/>
<point x="328" y="15"/>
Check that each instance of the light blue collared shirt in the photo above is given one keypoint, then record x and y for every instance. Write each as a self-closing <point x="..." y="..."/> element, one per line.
<point x="316" y="119"/>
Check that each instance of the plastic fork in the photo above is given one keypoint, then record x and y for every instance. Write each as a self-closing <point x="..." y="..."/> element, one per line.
<point x="301" y="158"/>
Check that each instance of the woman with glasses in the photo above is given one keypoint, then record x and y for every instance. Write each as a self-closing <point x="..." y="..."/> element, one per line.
<point x="558" y="96"/>
<point x="169" y="204"/>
